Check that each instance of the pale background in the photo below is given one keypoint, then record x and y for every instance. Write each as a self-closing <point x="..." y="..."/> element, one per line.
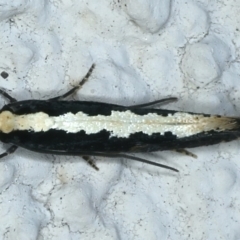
<point x="144" y="50"/>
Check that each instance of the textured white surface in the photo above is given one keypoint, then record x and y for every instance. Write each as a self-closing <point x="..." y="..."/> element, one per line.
<point x="143" y="50"/>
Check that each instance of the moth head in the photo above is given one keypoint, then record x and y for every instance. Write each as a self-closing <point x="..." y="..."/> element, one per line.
<point x="6" y="121"/>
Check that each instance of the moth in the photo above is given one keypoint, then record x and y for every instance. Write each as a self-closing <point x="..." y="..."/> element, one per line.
<point x="84" y="128"/>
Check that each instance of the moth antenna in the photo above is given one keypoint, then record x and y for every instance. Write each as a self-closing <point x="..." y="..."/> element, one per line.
<point x="148" y="162"/>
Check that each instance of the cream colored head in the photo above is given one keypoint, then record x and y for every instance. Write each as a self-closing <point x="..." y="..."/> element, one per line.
<point x="6" y="122"/>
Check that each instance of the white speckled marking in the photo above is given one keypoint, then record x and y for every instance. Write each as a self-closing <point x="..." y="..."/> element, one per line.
<point x="120" y="124"/>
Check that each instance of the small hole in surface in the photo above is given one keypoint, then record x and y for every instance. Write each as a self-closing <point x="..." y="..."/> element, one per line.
<point x="4" y="74"/>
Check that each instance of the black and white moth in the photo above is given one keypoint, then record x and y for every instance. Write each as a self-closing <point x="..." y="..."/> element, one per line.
<point x="83" y="128"/>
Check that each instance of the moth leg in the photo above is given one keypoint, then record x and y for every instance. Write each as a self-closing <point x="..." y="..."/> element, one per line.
<point x="10" y="150"/>
<point x="90" y="162"/>
<point x="161" y="101"/>
<point x="74" y="89"/>
<point x="112" y="155"/>
<point x="6" y="95"/>
<point x="186" y="152"/>
<point x="121" y="155"/>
